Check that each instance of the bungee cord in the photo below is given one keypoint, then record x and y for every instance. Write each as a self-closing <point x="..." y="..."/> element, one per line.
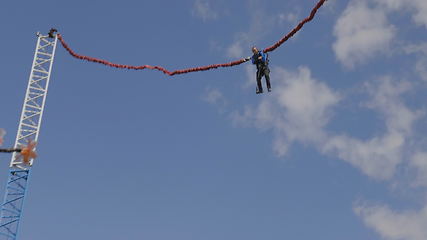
<point x="194" y="69"/>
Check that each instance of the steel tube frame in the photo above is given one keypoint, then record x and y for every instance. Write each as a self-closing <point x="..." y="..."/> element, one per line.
<point x="28" y="130"/>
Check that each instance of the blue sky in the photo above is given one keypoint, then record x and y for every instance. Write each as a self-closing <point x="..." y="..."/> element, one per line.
<point x="336" y="151"/>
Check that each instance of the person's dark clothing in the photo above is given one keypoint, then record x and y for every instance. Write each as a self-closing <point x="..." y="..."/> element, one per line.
<point x="10" y="150"/>
<point x="52" y="32"/>
<point x="257" y="61"/>
<point x="262" y="70"/>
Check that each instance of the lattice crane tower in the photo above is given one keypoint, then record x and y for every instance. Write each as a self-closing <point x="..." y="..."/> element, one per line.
<point x="29" y="129"/>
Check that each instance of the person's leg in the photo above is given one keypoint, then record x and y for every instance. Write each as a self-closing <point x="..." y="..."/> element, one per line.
<point x="258" y="80"/>
<point x="267" y="78"/>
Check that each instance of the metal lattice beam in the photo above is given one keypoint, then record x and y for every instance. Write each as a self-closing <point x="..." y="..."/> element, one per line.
<point x="29" y="127"/>
<point x="11" y="209"/>
<point x="35" y="97"/>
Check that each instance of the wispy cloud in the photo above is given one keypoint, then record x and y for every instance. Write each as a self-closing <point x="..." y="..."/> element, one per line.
<point x="379" y="156"/>
<point x="419" y="163"/>
<point x="420" y="16"/>
<point x="418" y="7"/>
<point x="361" y="33"/>
<point x="2" y="133"/>
<point x="203" y="10"/>
<point x="215" y="97"/>
<point x="287" y="17"/>
<point x="298" y="109"/>
<point x="421" y="68"/>
<point x="301" y="107"/>
<point x="261" y="22"/>
<point x="420" y="50"/>
<point x="235" y="50"/>
<point x="394" y="225"/>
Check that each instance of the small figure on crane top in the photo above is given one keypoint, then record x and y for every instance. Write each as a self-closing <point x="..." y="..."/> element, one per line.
<point x="52" y="32"/>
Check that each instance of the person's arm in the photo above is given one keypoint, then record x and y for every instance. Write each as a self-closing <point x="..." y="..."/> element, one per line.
<point x="10" y="150"/>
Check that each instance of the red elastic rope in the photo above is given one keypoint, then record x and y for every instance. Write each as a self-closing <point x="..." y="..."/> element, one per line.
<point x="195" y="69"/>
<point x="297" y="28"/>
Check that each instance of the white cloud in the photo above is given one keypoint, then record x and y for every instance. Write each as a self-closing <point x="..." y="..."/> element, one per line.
<point x="421" y="64"/>
<point x="250" y="71"/>
<point x="392" y="4"/>
<point x="241" y="45"/>
<point x="421" y="68"/>
<point x="297" y="110"/>
<point x="235" y="50"/>
<point x="361" y="33"/>
<point x="300" y="108"/>
<point x="244" y="119"/>
<point x="379" y="156"/>
<point x="416" y="48"/>
<point x="419" y="163"/>
<point x="215" y="97"/>
<point x="202" y="9"/>
<point x="394" y="225"/>
<point x="419" y="7"/>
<point x="386" y="97"/>
<point x="2" y="133"/>
<point x="291" y="17"/>
<point x="243" y="41"/>
<point x="331" y="5"/>
<point x="307" y="104"/>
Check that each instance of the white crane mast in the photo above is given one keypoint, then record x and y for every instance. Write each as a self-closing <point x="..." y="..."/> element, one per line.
<point x="35" y="96"/>
<point x="28" y="130"/>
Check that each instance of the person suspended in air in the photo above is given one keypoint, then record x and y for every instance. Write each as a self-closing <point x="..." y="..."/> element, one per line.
<point x="260" y="59"/>
<point x="25" y="153"/>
